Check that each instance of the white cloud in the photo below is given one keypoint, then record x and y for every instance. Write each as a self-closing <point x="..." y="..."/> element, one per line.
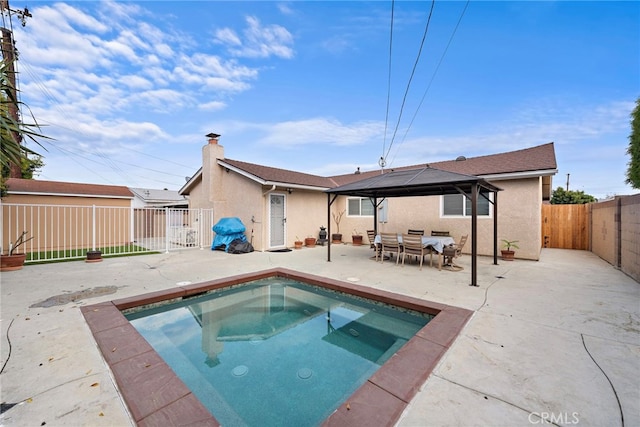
<point x="213" y="106"/>
<point x="319" y="130"/>
<point x="136" y="82"/>
<point x="285" y="8"/>
<point x="258" y="42"/>
<point x="228" y="37"/>
<point x="63" y="12"/>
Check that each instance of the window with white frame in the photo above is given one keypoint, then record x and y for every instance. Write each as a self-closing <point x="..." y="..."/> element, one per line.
<point x="359" y="206"/>
<point x="459" y="205"/>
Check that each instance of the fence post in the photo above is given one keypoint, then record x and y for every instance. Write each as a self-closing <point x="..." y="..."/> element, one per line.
<point x="93" y="228"/>
<point x="167" y="226"/>
<point x="200" y="228"/>
<point x="132" y="229"/>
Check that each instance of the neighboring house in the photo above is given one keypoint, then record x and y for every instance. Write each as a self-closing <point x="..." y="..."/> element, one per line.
<point x="59" y="214"/>
<point x="279" y="206"/>
<point x="150" y="198"/>
<point x="31" y="191"/>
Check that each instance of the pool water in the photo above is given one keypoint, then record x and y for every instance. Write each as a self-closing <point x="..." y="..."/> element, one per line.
<point x="275" y="351"/>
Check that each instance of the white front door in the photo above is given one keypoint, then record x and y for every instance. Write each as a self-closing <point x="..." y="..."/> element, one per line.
<point x="277" y="220"/>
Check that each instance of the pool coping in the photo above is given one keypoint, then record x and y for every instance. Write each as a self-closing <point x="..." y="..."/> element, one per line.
<point x="155" y="395"/>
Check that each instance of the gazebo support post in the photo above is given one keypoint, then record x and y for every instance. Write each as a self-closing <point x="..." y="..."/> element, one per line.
<point x="495" y="228"/>
<point x="329" y="203"/>
<point x="474" y="234"/>
<point x="374" y="202"/>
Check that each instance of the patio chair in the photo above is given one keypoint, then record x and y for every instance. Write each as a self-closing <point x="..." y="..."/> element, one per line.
<point x="390" y="244"/>
<point x="451" y="252"/>
<point x="419" y="233"/>
<point x="439" y="233"/>
<point x="371" y="234"/>
<point x="412" y="245"/>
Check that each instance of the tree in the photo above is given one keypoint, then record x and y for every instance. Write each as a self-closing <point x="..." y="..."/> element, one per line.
<point x="561" y="196"/>
<point x="13" y="131"/>
<point x="633" y="169"/>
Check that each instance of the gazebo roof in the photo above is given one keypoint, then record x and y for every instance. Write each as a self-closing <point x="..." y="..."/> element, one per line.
<point x="424" y="181"/>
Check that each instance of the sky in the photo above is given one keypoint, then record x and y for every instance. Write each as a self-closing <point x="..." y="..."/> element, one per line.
<point x="128" y="90"/>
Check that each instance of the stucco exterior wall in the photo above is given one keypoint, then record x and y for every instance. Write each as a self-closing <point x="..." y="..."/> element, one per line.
<point x="243" y="199"/>
<point x="196" y="197"/>
<point x="519" y="216"/>
<point x="306" y="212"/>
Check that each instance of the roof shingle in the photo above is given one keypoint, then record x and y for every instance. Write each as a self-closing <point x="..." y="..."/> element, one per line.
<point x="16" y="185"/>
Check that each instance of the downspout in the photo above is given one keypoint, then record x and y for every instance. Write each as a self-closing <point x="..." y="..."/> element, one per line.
<point x="273" y="187"/>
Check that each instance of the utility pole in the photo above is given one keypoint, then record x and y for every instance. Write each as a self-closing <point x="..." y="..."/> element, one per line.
<point x="568" y="181"/>
<point x="9" y="56"/>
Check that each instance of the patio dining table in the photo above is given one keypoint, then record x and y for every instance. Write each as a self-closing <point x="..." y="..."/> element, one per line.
<point x="436" y="242"/>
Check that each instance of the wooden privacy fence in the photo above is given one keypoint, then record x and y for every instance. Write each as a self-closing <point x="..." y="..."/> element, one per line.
<point x="566" y="226"/>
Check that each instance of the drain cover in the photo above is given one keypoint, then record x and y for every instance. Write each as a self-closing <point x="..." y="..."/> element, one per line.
<point x="305" y="373"/>
<point x="239" y="371"/>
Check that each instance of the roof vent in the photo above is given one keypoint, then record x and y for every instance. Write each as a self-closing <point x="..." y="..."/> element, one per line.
<point x="460" y="158"/>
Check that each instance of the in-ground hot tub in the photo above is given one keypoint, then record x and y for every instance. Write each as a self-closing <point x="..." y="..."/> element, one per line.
<point x="155" y="395"/>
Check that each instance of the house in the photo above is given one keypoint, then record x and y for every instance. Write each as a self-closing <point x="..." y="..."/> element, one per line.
<point x="279" y="206"/>
<point x="31" y="191"/>
<point x="59" y="214"/>
<point x="151" y="198"/>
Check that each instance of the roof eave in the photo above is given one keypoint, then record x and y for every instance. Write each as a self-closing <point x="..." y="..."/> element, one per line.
<point x="242" y="172"/>
<point x="42" y="193"/>
<point x="519" y="175"/>
<point x="189" y="184"/>
<point x="296" y="186"/>
<point x="262" y="181"/>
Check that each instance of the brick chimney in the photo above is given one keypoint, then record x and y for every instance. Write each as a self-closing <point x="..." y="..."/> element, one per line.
<point x="213" y="138"/>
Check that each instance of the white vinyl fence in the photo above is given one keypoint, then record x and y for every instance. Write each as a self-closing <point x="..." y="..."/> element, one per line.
<point x="68" y="232"/>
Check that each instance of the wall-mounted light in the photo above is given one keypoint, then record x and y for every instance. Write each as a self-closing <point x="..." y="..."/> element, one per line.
<point x="289" y="190"/>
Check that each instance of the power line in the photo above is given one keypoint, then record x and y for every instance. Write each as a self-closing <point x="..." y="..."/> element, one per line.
<point x="424" y="95"/>
<point x="72" y="156"/>
<point x="415" y="65"/>
<point x="386" y="117"/>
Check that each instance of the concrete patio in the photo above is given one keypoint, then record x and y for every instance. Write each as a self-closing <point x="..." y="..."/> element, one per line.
<point x="551" y="342"/>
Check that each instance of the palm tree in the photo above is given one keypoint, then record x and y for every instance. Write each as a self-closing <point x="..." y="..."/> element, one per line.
<point x="12" y="130"/>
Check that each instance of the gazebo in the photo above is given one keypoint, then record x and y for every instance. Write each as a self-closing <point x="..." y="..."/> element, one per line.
<point x="424" y="181"/>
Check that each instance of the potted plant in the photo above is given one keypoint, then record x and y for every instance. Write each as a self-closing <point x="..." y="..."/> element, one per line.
<point x="310" y="241"/>
<point x="337" y="237"/>
<point x="94" y="256"/>
<point x="298" y="243"/>
<point x="356" y="238"/>
<point x="507" y="253"/>
<point x="14" y="260"/>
